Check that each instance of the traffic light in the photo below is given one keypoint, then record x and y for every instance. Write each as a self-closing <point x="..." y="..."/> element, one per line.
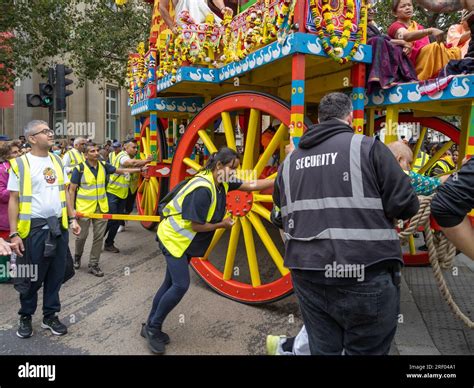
<point x="61" y="83"/>
<point x="45" y="98"/>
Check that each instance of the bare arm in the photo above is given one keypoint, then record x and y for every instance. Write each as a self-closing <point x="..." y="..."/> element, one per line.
<point x="16" y="242"/>
<point x="134" y="163"/>
<point x="226" y="223"/>
<point x="76" y="229"/>
<point x="166" y="15"/>
<point x="260" y="184"/>
<point x="222" y="7"/>
<point x="121" y="171"/>
<point x="407" y="36"/>
<point x="462" y="236"/>
<point x="464" y="38"/>
<point x="72" y="192"/>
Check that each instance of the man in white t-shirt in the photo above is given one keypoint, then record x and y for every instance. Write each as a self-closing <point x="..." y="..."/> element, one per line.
<point x="38" y="212"/>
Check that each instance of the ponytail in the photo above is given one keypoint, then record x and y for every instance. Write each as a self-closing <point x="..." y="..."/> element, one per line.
<point x="225" y="155"/>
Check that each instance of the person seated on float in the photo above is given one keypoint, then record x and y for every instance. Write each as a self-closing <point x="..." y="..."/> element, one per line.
<point x="444" y="165"/>
<point x="198" y="10"/>
<point x="390" y="66"/>
<point x="428" y="58"/>
<point x="459" y="35"/>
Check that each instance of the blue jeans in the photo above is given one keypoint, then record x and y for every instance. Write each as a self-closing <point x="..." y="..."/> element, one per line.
<point x="50" y="273"/>
<point x="360" y="319"/>
<point x="116" y="206"/>
<point x="172" y="290"/>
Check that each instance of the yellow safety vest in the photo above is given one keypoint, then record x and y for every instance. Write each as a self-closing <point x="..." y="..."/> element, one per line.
<point x="91" y="191"/>
<point x="134" y="182"/>
<point x="446" y="164"/>
<point x="76" y="158"/>
<point x="112" y="157"/>
<point x="21" y="167"/>
<point x="119" y="184"/>
<point x="420" y="161"/>
<point x="176" y="233"/>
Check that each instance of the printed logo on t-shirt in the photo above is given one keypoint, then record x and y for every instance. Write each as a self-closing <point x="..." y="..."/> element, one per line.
<point x="49" y="175"/>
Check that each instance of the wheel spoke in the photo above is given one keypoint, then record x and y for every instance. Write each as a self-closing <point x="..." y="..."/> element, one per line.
<point x="270" y="150"/>
<point x="217" y="236"/>
<point x="207" y="141"/>
<point x="263" y="198"/>
<point x="191" y="163"/>
<point x="261" y="211"/>
<point x="436" y="157"/>
<point x="250" y="139"/>
<point x="268" y="242"/>
<point x="228" y="130"/>
<point x="251" y="253"/>
<point x="232" y="250"/>
<point x="418" y="145"/>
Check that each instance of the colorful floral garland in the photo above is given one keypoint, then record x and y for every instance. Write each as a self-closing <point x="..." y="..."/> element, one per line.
<point x="337" y="44"/>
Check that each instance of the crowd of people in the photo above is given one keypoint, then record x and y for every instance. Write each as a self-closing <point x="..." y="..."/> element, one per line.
<point x="412" y="52"/>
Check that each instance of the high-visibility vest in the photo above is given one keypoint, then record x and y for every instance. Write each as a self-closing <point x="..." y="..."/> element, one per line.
<point x="119" y="184"/>
<point x="134" y="182"/>
<point x="176" y="233"/>
<point x="112" y="157"/>
<point x="446" y="164"/>
<point x="21" y="167"/>
<point x="420" y="161"/>
<point x="91" y="191"/>
<point x="75" y="158"/>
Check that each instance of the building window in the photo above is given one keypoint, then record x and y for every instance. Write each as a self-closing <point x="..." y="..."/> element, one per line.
<point x="112" y="129"/>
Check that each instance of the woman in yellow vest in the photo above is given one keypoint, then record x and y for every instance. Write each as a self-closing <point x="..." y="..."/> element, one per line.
<point x="190" y="220"/>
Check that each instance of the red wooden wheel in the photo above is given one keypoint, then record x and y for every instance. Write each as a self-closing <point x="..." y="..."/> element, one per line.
<point x="150" y="189"/>
<point x="247" y="270"/>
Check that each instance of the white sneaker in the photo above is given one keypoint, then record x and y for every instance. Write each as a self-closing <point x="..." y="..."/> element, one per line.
<point x="121" y="229"/>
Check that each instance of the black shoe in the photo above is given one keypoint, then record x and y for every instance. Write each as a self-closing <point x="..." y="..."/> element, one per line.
<point x="111" y="248"/>
<point x="54" y="324"/>
<point x="25" y="330"/>
<point x="77" y="262"/>
<point x="96" y="271"/>
<point x="155" y="343"/>
<point x="165" y="337"/>
<point x="423" y="248"/>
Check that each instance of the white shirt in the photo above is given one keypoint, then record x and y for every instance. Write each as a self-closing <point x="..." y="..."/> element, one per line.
<point x="122" y="160"/>
<point x="44" y="185"/>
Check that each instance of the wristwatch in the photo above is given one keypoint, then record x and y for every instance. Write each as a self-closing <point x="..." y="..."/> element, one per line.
<point x="15" y="234"/>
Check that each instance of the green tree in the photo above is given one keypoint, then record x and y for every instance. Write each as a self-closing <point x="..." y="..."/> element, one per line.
<point x="93" y="37"/>
<point x="384" y="16"/>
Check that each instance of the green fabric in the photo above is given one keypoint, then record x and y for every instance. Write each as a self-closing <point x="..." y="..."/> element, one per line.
<point x="247" y="5"/>
<point x="3" y="265"/>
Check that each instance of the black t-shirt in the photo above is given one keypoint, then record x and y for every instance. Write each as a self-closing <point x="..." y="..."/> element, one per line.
<point x="195" y="208"/>
<point x="77" y="175"/>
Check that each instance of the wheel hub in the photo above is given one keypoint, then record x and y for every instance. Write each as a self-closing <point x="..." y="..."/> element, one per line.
<point x="239" y="202"/>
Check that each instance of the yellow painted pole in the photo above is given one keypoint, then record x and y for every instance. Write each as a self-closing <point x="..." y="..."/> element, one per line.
<point x="263" y="198"/>
<point x="251" y="253"/>
<point x="191" y="163"/>
<point x="411" y="243"/>
<point x="228" y="130"/>
<point x="251" y="137"/>
<point x="370" y="126"/>
<point x="419" y="143"/>
<point x="232" y="250"/>
<point x="268" y="242"/>
<point x="207" y="141"/>
<point x="391" y="125"/>
<point x="123" y="217"/>
<point x="261" y="211"/>
<point x="217" y="236"/>
<point x="269" y="151"/>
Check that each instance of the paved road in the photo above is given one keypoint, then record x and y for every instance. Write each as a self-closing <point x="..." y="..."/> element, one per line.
<point x="104" y="315"/>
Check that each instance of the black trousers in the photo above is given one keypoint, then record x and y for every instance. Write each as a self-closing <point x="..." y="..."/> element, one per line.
<point x="47" y="272"/>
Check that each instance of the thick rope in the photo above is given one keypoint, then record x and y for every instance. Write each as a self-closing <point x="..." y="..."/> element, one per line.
<point x="441" y="254"/>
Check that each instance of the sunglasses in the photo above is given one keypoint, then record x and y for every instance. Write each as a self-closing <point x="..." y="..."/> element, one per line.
<point x="45" y="131"/>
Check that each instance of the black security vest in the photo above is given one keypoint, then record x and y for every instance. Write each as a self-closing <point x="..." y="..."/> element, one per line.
<point x="331" y="206"/>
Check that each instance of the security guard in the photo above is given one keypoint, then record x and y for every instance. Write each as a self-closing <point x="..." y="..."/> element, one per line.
<point x="74" y="156"/>
<point x="88" y="192"/>
<point x="339" y="194"/>
<point x="38" y="211"/>
<point x="192" y="217"/>
<point x="118" y="188"/>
